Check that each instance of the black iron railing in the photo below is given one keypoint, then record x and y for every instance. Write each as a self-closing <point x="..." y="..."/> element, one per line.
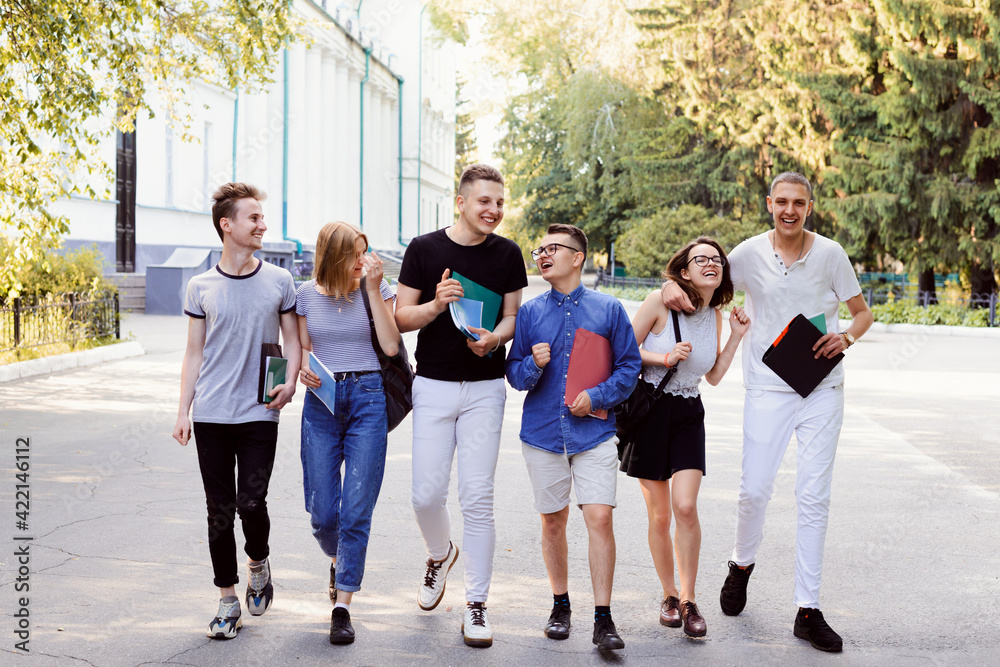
<point x="28" y="322"/>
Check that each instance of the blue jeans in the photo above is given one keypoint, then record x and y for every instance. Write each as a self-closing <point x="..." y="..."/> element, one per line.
<point x="341" y="509"/>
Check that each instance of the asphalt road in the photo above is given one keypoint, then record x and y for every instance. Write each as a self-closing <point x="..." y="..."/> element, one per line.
<point x="119" y="574"/>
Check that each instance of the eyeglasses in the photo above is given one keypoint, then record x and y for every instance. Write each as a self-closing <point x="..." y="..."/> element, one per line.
<point x="549" y="250"/>
<point x="701" y="260"/>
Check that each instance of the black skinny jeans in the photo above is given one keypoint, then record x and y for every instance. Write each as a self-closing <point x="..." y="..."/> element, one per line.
<point x="249" y="450"/>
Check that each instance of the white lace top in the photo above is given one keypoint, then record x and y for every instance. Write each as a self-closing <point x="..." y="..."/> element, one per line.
<point x="699" y="329"/>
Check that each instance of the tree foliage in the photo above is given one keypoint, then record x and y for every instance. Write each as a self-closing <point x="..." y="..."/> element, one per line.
<point x="71" y="73"/>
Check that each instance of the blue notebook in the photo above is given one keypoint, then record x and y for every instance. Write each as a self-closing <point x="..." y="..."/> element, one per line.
<point x="327" y="389"/>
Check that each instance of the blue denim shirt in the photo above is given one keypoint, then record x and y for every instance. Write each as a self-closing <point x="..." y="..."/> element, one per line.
<point x="553" y="318"/>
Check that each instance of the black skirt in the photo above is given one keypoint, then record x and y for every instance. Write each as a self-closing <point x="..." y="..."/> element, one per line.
<point x="671" y="439"/>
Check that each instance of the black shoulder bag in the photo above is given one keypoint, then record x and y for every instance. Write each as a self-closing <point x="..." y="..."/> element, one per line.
<point x="397" y="374"/>
<point x="632" y="412"/>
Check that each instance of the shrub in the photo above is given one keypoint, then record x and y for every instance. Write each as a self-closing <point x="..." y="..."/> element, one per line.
<point x="81" y="270"/>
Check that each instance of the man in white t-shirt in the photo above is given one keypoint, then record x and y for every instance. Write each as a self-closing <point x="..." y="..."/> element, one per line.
<point x="784" y="272"/>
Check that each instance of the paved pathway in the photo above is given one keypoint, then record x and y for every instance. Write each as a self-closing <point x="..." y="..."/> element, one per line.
<point x="120" y="574"/>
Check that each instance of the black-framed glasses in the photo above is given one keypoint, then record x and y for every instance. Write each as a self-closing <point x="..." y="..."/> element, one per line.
<point x="549" y="250"/>
<point x="702" y="260"/>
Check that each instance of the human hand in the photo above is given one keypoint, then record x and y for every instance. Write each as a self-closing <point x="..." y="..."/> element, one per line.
<point x="281" y="396"/>
<point x="581" y="406"/>
<point x="448" y="290"/>
<point x="182" y="430"/>
<point x="830" y="345"/>
<point x="541" y="353"/>
<point x="739" y="321"/>
<point x="487" y="341"/>
<point x="309" y="378"/>
<point x="674" y="298"/>
<point x="679" y="353"/>
<point x="374" y="273"/>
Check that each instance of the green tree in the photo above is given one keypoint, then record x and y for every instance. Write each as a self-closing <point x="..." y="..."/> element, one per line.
<point x="71" y="73"/>
<point x="465" y="132"/>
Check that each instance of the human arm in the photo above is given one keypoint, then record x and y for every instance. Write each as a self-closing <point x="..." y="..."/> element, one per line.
<point x="674" y="297"/>
<point x="385" y="323"/>
<point x="525" y="361"/>
<point x="862" y="319"/>
<point x="190" y="370"/>
<point x="309" y="379"/>
<point x="739" y="324"/>
<point x="504" y="331"/>
<point x="625" y="366"/>
<point x="650" y="313"/>
<point x="412" y="315"/>
<point x="282" y="394"/>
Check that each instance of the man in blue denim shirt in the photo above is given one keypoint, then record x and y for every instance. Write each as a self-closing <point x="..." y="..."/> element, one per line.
<point x="564" y="446"/>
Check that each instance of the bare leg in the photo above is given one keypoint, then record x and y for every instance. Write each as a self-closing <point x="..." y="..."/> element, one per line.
<point x="657" y="495"/>
<point x="555" y="551"/>
<point x="687" y="535"/>
<point x="602" y="551"/>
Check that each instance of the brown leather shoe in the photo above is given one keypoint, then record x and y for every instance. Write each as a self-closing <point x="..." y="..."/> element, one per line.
<point x="694" y="622"/>
<point x="670" y="612"/>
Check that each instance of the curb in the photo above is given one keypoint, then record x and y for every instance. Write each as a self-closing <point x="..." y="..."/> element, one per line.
<point x="59" y="362"/>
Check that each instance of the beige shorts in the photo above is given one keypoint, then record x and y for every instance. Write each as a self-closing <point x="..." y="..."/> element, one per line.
<point x="592" y="474"/>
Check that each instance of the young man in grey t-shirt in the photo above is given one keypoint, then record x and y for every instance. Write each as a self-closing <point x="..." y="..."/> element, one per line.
<point x="234" y="308"/>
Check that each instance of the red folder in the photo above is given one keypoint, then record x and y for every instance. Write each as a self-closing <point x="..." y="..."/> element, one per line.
<point x="589" y="366"/>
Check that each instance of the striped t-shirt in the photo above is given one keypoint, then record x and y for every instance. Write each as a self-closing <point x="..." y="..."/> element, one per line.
<point x="341" y="336"/>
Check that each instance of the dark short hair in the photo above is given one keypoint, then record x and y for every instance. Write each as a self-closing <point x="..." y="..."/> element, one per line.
<point x="791" y="177"/>
<point x="723" y="293"/>
<point x="478" y="172"/>
<point x="227" y="197"/>
<point x="575" y="232"/>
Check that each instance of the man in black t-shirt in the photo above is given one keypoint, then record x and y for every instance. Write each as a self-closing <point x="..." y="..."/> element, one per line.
<point x="459" y="391"/>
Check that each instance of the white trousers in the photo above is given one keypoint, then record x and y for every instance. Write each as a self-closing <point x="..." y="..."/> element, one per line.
<point x="769" y="419"/>
<point x="466" y="416"/>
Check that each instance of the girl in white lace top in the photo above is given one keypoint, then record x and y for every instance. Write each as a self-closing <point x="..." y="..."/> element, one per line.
<point x="668" y="454"/>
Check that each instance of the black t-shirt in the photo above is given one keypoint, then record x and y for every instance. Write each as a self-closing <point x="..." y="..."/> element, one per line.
<point x="496" y="264"/>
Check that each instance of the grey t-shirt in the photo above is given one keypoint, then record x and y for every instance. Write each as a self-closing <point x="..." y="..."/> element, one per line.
<point x="241" y="313"/>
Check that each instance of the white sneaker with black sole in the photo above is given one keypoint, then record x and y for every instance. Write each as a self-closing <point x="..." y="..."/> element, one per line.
<point x="435" y="578"/>
<point x="260" y="592"/>
<point x="227" y="621"/>
<point x="476" y="627"/>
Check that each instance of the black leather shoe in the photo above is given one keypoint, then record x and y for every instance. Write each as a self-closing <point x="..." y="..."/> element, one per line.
<point x="341" y="630"/>
<point x="558" y="624"/>
<point x="734" y="592"/>
<point x="606" y="635"/>
<point x="333" y="583"/>
<point x="811" y="626"/>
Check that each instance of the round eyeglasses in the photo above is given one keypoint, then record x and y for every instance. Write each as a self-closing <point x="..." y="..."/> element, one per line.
<point x="549" y="250"/>
<point x="702" y="260"/>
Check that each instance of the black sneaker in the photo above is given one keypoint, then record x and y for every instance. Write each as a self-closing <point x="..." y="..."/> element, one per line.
<point x="558" y="624"/>
<point x="811" y="626"/>
<point x="734" y="592"/>
<point x="341" y="630"/>
<point x="333" y="583"/>
<point x="606" y="635"/>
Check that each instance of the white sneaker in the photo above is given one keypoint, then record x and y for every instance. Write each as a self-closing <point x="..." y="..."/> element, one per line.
<point x="227" y="621"/>
<point x="476" y="627"/>
<point x="432" y="590"/>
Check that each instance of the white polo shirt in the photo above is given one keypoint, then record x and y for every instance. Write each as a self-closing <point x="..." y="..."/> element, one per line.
<point x="776" y="293"/>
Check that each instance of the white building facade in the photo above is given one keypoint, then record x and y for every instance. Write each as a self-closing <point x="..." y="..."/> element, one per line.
<point x="358" y="125"/>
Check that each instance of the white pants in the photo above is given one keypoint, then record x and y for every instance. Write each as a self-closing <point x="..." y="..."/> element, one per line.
<point x="769" y="419"/>
<point x="466" y="415"/>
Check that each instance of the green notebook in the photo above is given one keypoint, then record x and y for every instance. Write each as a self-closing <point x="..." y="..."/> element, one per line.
<point x="491" y="300"/>
<point x="274" y="375"/>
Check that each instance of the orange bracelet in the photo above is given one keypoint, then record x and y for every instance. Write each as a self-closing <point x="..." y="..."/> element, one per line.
<point x="666" y="360"/>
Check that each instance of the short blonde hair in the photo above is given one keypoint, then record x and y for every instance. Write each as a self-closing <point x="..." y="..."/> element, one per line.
<point x="336" y="256"/>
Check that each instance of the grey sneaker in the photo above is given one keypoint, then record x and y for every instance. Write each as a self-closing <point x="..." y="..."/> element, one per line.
<point x="260" y="592"/>
<point x="432" y="590"/>
<point x="333" y="584"/>
<point x="227" y="621"/>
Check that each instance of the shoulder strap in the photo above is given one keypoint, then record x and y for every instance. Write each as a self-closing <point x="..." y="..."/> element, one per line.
<point x="673" y="369"/>
<point x="371" y="324"/>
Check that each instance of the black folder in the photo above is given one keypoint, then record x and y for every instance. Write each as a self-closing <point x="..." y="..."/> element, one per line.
<point x="266" y="350"/>
<point x="791" y="356"/>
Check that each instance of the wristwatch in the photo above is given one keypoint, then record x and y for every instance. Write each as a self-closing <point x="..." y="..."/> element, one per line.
<point x="848" y="337"/>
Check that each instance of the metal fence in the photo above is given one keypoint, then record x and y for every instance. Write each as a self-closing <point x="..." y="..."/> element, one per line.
<point x="873" y="295"/>
<point x="62" y="318"/>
